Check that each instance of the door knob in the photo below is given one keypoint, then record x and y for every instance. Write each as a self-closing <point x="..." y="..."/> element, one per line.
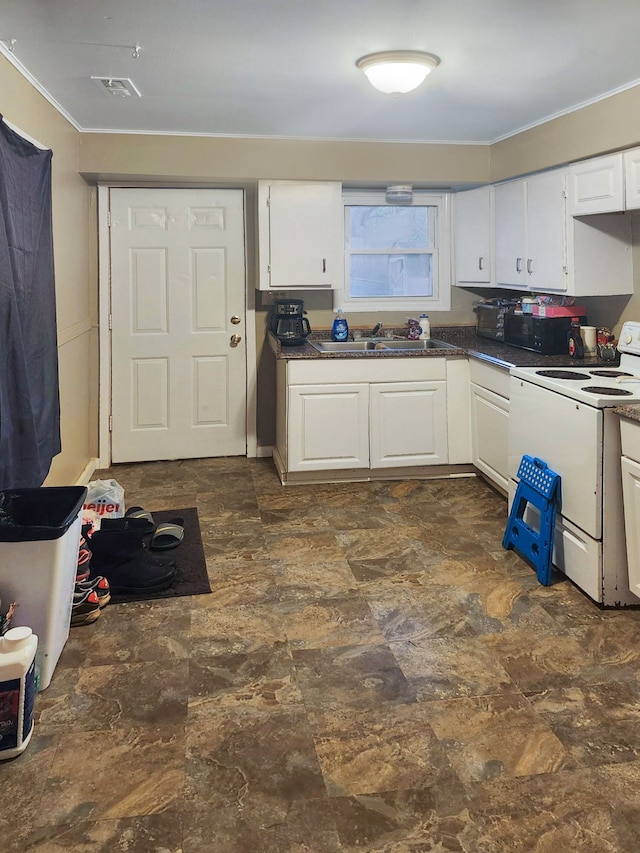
<point x="235" y="340"/>
<point x="235" y="319"/>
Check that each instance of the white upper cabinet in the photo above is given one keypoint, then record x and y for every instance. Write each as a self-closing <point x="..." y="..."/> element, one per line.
<point x="632" y="179"/>
<point x="473" y="218"/>
<point x="300" y="235"/>
<point x="596" y="186"/>
<point x="540" y="248"/>
<point x="510" y="206"/>
<point x="530" y="232"/>
<point x="546" y="238"/>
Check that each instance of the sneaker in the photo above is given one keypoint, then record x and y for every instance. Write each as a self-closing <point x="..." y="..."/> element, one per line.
<point x="84" y="559"/>
<point x="85" y="608"/>
<point x="99" y="585"/>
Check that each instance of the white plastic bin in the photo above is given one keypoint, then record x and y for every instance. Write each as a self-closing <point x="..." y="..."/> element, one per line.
<point x="39" y="539"/>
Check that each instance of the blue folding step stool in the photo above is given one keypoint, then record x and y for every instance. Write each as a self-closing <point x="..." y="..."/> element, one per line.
<point x="539" y="486"/>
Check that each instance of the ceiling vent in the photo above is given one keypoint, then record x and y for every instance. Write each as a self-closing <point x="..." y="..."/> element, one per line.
<point x="119" y="86"/>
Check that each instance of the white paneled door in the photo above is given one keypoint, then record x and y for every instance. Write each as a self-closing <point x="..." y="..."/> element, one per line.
<point x="178" y="337"/>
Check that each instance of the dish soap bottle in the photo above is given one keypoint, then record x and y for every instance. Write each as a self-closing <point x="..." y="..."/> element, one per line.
<point x="340" y="330"/>
<point x="425" y="327"/>
<point x="574" y="339"/>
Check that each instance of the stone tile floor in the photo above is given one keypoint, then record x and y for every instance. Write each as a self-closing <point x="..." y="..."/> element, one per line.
<point x="371" y="672"/>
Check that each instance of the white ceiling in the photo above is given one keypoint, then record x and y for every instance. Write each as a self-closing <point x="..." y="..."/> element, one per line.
<point x="286" y="68"/>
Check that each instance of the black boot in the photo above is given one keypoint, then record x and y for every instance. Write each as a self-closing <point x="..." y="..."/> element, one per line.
<point x="119" y="555"/>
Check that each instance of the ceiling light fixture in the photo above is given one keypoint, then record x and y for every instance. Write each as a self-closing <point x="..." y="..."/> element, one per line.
<point x="397" y="71"/>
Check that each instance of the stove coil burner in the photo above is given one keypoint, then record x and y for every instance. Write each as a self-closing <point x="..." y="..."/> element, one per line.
<point x="612" y="373"/>
<point x="562" y="374"/>
<point x="605" y="391"/>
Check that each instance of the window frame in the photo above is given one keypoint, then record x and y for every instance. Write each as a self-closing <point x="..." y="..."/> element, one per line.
<point x="440" y="300"/>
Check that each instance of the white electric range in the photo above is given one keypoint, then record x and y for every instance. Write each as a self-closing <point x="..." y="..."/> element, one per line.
<point x="565" y="417"/>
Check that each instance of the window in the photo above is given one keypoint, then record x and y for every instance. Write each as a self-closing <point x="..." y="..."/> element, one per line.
<point x="396" y="255"/>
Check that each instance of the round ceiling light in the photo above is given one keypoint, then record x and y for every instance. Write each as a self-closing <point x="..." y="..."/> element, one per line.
<point x="397" y="71"/>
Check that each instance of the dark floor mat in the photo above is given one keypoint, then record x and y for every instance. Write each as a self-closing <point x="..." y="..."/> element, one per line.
<point x="191" y="577"/>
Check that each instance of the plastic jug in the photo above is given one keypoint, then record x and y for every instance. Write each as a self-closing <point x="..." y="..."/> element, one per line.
<point x="17" y="690"/>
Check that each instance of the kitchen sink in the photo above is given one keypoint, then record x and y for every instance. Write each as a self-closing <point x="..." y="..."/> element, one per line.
<point x="379" y="345"/>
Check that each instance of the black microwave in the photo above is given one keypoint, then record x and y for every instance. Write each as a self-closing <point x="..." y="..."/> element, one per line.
<point x="544" y="335"/>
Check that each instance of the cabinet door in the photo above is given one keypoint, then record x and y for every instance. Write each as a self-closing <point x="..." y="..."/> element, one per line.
<point x="302" y="246"/>
<point x="631" y="492"/>
<point x="473" y="235"/>
<point x="328" y="427"/>
<point x="596" y="186"/>
<point x="408" y="424"/>
<point x="490" y="434"/>
<point x="632" y="179"/>
<point x="510" y="201"/>
<point x="546" y="232"/>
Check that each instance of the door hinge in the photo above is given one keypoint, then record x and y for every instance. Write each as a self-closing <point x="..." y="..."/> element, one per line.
<point x="269" y="268"/>
<point x="268" y="202"/>
<point x="110" y="323"/>
<point x="108" y="219"/>
<point x="110" y="423"/>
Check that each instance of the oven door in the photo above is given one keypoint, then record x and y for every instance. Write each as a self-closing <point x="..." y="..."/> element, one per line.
<point x="568" y="436"/>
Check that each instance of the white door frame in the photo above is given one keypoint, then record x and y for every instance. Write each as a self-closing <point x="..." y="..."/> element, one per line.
<point x="104" y="332"/>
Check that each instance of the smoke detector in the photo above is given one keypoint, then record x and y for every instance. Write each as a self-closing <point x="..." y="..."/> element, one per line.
<point x="121" y="87"/>
<point x="399" y="194"/>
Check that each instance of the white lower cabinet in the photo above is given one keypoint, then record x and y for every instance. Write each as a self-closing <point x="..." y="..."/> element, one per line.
<point x="490" y="422"/>
<point x="408" y="424"/>
<point x="328" y="427"/>
<point x="355" y="415"/>
<point x="630" y="439"/>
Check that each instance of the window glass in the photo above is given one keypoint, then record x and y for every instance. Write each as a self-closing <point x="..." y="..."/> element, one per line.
<point x="386" y="227"/>
<point x="390" y="275"/>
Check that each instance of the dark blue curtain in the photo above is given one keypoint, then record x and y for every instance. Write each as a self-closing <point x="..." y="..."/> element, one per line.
<point x="29" y="394"/>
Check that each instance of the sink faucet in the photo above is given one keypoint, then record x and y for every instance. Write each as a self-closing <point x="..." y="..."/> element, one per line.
<point x="376" y="329"/>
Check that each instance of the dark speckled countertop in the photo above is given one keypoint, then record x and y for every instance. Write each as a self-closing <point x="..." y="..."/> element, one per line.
<point x="464" y="337"/>
<point x="630" y="411"/>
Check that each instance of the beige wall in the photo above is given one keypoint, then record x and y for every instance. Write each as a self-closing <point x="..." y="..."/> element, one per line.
<point x="607" y="125"/>
<point x="26" y="109"/>
<point x="241" y="161"/>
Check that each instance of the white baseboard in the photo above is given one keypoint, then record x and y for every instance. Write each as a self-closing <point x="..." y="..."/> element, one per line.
<point x="264" y="451"/>
<point x="87" y="474"/>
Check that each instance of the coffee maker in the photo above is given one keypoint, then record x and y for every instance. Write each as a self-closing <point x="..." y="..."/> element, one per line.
<point x="288" y="323"/>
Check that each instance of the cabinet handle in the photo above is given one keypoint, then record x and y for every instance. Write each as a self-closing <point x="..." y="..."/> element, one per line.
<point x="324" y="265"/>
<point x="480" y="262"/>
<point x="529" y="266"/>
<point x="518" y="264"/>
